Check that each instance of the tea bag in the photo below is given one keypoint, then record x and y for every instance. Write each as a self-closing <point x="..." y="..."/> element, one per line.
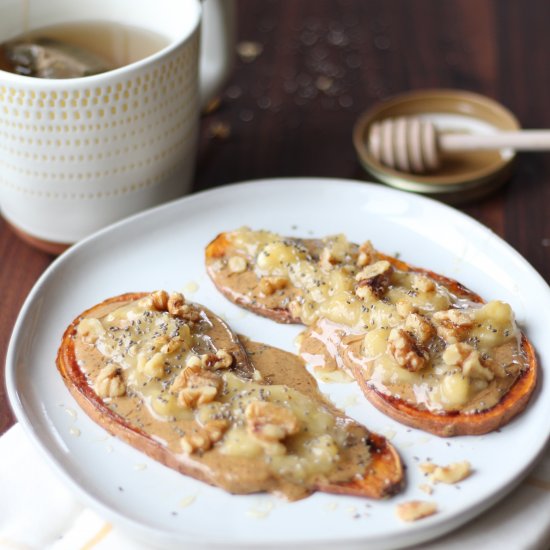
<point x="50" y="58"/>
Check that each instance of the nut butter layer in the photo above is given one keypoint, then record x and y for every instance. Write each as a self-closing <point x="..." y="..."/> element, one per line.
<point x="172" y="379"/>
<point x="424" y="349"/>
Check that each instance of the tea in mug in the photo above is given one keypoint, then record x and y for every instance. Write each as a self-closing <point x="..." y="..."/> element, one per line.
<point x="73" y="50"/>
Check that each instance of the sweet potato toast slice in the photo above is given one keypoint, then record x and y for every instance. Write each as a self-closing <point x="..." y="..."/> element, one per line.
<point x="453" y="423"/>
<point x="172" y="380"/>
<point x="243" y="286"/>
<point x="416" y="321"/>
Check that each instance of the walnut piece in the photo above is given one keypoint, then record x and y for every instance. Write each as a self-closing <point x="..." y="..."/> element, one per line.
<point x="156" y="301"/>
<point x="366" y="254"/>
<point x="181" y="379"/>
<point x="269" y="285"/>
<point x="453" y="325"/>
<point x="270" y="422"/>
<point x="201" y="438"/>
<point x="109" y="382"/>
<point x="415" y="510"/>
<point x="373" y="280"/>
<point x="420" y="327"/>
<point x="453" y="473"/>
<point x="405" y="350"/>
<point x="153" y="367"/>
<point x="173" y="303"/>
<point x="173" y="345"/>
<point x="468" y="359"/>
<point x="176" y="304"/>
<point x="405" y="308"/>
<point x="198" y="389"/>
<point x="422" y="283"/>
<point x="222" y="359"/>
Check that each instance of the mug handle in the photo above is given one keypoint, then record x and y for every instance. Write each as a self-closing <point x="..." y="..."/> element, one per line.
<point x="217" y="46"/>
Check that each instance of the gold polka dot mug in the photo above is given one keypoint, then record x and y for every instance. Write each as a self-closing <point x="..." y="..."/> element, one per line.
<point x="78" y="154"/>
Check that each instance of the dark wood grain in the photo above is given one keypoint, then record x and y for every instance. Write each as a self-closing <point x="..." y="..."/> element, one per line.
<point x="290" y="112"/>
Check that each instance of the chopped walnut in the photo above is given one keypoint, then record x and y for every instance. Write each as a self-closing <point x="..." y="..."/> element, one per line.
<point x="423" y="283"/>
<point x="373" y="280"/>
<point x="403" y="347"/>
<point x="420" y="327"/>
<point x="173" y="303"/>
<point x="237" y="264"/>
<point x="415" y="510"/>
<point x="269" y="285"/>
<point x="468" y="359"/>
<point x="173" y="345"/>
<point x="178" y="308"/>
<point x="270" y="422"/>
<point x="405" y="308"/>
<point x="201" y="438"/>
<point x="109" y="382"/>
<point x="181" y="379"/>
<point x="153" y="367"/>
<point x="215" y="361"/>
<point x="366" y="254"/>
<point x="157" y="300"/>
<point x="222" y="359"/>
<point x="453" y="325"/>
<point x="160" y="300"/>
<point x="176" y="304"/>
<point x="453" y="473"/>
<point x="199" y="389"/>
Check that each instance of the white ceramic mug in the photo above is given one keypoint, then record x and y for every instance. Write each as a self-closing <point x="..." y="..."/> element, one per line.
<point x="78" y="154"/>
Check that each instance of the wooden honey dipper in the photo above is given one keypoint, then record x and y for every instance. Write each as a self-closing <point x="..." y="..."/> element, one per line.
<point x="414" y="145"/>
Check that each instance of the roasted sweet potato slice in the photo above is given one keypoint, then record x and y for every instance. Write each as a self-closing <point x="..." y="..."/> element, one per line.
<point x="429" y="323"/>
<point x="453" y="423"/>
<point x="173" y="380"/>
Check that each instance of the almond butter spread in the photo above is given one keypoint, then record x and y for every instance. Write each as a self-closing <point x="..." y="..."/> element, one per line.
<point x="431" y="344"/>
<point x="254" y="419"/>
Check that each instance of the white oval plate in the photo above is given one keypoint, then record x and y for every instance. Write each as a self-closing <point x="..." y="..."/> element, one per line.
<point x="163" y="248"/>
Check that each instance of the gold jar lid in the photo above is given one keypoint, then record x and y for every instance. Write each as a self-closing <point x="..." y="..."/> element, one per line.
<point x="462" y="176"/>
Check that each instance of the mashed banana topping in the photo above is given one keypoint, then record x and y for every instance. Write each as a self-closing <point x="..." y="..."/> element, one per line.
<point x="413" y="336"/>
<point x="173" y="371"/>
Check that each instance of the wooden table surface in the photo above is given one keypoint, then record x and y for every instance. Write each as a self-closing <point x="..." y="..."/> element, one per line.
<point x="290" y="110"/>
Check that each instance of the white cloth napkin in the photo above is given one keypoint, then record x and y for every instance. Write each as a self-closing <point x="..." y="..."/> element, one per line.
<point x="38" y="513"/>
